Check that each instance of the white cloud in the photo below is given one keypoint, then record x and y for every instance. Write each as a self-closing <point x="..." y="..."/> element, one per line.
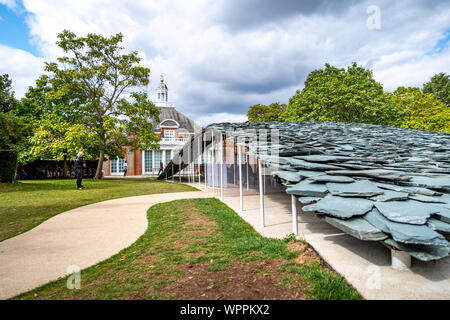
<point x="21" y="66"/>
<point x="219" y="59"/>
<point x="412" y="73"/>
<point x="11" y="4"/>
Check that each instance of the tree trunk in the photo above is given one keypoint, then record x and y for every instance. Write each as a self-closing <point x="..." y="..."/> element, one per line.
<point x="98" y="173"/>
<point x="65" y="167"/>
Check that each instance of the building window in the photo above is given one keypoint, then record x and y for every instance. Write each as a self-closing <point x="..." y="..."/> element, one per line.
<point x="113" y="166"/>
<point x="148" y="161"/>
<point x="117" y="165"/>
<point x="121" y="164"/>
<point x="158" y="158"/>
<point x="169" y="134"/>
<point x="159" y="96"/>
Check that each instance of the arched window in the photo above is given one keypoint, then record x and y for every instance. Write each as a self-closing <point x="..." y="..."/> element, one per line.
<point x="159" y="96"/>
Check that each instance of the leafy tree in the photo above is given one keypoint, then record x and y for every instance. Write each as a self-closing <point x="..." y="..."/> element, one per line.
<point x="440" y="86"/>
<point x="7" y="100"/>
<point x="11" y="127"/>
<point x="422" y="110"/>
<point x="351" y="95"/>
<point x="30" y="110"/>
<point x="56" y="138"/>
<point x="37" y="101"/>
<point x="11" y="130"/>
<point x="49" y="112"/>
<point x="262" y="113"/>
<point x="96" y="71"/>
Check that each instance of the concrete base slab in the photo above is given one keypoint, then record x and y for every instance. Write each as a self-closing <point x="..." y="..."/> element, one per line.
<point x="400" y="260"/>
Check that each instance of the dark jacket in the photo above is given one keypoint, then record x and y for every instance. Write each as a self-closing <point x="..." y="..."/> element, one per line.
<point x="79" y="162"/>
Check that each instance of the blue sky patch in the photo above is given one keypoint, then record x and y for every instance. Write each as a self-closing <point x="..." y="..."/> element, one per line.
<point x="441" y="44"/>
<point x="14" y="31"/>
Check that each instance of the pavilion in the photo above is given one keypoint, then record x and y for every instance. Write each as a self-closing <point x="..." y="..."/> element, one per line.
<point x="376" y="183"/>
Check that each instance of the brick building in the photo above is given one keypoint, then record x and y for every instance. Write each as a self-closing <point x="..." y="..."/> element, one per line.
<point x="174" y="129"/>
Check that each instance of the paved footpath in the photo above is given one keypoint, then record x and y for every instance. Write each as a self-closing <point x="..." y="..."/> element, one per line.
<point x="81" y="237"/>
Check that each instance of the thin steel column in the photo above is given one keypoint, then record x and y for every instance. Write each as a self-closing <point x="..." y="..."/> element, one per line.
<point x="179" y="171"/>
<point x="234" y="162"/>
<point x="199" y="157"/>
<point x="261" y="195"/>
<point x="247" y="164"/>
<point x="189" y="162"/>
<point x="234" y="168"/>
<point x="206" y="158"/>
<point x="173" y="164"/>
<point x="264" y="177"/>
<point x="294" y="215"/>
<point x="241" y="196"/>
<point x="221" y="166"/>
<point x="213" y="160"/>
<point x="193" y="162"/>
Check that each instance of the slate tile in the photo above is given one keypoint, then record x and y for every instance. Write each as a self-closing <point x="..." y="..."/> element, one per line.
<point x="343" y="208"/>
<point x="306" y="188"/>
<point x="359" y="188"/>
<point x="410" y="211"/>
<point x="358" y="228"/>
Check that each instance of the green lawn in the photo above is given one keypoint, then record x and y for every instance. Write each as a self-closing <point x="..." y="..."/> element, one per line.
<point x="25" y="204"/>
<point x="201" y="249"/>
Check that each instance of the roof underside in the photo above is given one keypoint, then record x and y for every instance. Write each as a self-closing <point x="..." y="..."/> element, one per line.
<point x="376" y="183"/>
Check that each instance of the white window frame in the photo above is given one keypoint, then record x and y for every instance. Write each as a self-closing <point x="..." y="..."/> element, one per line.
<point x="170" y="137"/>
<point x="155" y="163"/>
<point x="117" y="163"/>
<point x="144" y="156"/>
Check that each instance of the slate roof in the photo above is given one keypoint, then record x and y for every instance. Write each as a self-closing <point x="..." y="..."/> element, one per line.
<point x="172" y="113"/>
<point x="376" y="183"/>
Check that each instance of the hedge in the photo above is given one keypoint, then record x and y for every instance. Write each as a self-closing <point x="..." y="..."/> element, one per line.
<point x="8" y="165"/>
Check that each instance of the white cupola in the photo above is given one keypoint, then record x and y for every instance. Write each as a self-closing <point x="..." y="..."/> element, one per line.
<point x="162" y="94"/>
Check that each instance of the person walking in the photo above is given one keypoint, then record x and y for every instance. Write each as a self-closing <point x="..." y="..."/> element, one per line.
<point x="80" y="164"/>
<point x="161" y="167"/>
<point x="125" y="168"/>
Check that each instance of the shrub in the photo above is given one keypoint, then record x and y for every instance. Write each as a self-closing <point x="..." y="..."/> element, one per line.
<point x="8" y="165"/>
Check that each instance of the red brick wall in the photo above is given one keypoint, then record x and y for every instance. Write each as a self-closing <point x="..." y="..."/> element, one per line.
<point x="137" y="162"/>
<point x="106" y="168"/>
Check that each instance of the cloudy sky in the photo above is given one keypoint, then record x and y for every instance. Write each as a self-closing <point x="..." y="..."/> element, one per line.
<point x="221" y="56"/>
